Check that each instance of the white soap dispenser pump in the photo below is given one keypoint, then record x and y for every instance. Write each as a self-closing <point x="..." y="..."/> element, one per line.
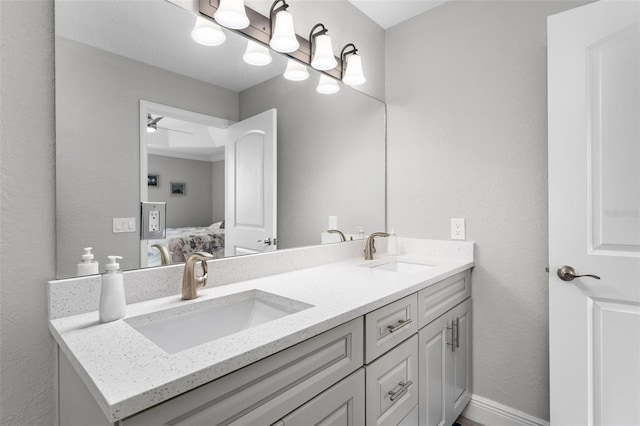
<point x="112" y="303"/>
<point x="392" y="243"/>
<point x="88" y="266"/>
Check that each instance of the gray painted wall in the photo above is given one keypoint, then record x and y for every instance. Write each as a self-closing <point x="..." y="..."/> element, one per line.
<point x="317" y="174"/>
<point x="467" y="137"/>
<point x="195" y="208"/>
<point x="100" y="124"/>
<point x="27" y="206"/>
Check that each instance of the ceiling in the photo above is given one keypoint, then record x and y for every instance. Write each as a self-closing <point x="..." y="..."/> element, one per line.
<point x="388" y="13"/>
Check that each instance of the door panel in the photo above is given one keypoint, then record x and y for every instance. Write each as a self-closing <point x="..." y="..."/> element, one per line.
<point x="594" y="213"/>
<point x="251" y="182"/>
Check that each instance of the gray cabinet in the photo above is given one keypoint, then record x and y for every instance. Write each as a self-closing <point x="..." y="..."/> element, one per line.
<point x="445" y="366"/>
<point x="390" y="325"/>
<point x="340" y="405"/>
<point x="392" y="384"/>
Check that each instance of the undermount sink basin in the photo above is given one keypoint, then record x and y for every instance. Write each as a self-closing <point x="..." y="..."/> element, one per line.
<point x="175" y="330"/>
<point x="403" y="267"/>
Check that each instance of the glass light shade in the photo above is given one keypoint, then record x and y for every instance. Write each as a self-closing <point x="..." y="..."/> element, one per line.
<point x="296" y="71"/>
<point x="207" y="33"/>
<point x="353" y="75"/>
<point x="151" y="129"/>
<point x="283" y="38"/>
<point x="327" y="85"/>
<point x="323" y="58"/>
<point x="256" y="54"/>
<point x="232" y="14"/>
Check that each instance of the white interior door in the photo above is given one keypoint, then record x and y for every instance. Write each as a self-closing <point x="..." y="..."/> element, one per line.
<point x="594" y="214"/>
<point x="250" y="168"/>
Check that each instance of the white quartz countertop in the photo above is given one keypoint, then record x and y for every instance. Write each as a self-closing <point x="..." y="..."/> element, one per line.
<point x="128" y="373"/>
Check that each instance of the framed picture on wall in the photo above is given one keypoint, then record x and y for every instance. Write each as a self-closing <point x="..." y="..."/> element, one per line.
<point x="153" y="180"/>
<point x="177" y="188"/>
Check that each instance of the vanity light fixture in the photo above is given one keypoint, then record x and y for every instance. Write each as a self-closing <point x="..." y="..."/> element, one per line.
<point x="296" y="71"/>
<point x="327" y="85"/>
<point x="207" y="33"/>
<point x="232" y="14"/>
<point x="351" y="66"/>
<point x="283" y="36"/>
<point x="256" y="54"/>
<point x="321" y="50"/>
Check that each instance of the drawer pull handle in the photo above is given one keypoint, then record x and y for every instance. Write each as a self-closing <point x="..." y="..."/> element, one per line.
<point x="399" y="325"/>
<point x="453" y="336"/>
<point x="404" y="387"/>
<point x="457" y="332"/>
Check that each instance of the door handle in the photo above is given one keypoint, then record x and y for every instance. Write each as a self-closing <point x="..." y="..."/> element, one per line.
<point x="268" y="241"/>
<point x="567" y="273"/>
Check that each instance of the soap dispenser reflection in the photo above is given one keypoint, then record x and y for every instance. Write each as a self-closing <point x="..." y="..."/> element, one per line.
<point x="88" y="266"/>
<point x="112" y="302"/>
<point x="392" y="243"/>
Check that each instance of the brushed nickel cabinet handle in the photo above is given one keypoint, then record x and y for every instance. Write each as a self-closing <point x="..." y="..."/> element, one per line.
<point x="404" y="387"/>
<point x="457" y="328"/>
<point x="399" y="325"/>
<point x="453" y="336"/>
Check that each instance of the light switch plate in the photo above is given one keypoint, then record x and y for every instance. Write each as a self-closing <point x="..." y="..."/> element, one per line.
<point x="124" y="224"/>
<point x="457" y="229"/>
<point x="153" y="220"/>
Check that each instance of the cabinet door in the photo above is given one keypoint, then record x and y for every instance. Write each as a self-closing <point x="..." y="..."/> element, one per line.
<point x="340" y="405"/>
<point x="392" y="384"/>
<point x="461" y="316"/>
<point x="265" y="391"/>
<point x="435" y="376"/>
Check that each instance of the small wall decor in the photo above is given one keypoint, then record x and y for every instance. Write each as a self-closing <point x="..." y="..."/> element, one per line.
<point x="177" y="188"/>
<point x="153" y="180"/>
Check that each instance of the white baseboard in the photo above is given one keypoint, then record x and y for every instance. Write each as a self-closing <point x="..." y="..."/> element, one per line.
<point x="491" y="413"/>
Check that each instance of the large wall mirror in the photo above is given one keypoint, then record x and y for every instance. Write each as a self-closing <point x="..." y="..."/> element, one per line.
<point x="121" y="65"/>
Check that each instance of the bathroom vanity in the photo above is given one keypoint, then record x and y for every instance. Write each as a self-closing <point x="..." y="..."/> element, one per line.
<point x="344" y="341"/>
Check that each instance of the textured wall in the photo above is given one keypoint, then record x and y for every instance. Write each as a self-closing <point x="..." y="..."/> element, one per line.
<point x="98" y="144"/>
<point x="195" y="207"/>
<point x="467" y="129"/>
<point x="27" y="228"/>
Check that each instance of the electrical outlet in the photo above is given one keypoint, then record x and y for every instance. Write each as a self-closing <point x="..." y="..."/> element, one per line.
<point x="457" y="229"/>
<point x="154" y="220"/>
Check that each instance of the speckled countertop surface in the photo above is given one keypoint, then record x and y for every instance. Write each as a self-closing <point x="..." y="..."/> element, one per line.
<point x="127" y="373"/>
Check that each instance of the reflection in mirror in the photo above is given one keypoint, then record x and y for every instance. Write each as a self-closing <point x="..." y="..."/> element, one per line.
<point x="113" y="55"/>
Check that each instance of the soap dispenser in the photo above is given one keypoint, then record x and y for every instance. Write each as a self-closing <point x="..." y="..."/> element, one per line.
<point x="112" y="303"/>
<point x="88" y="266"/>
<point x="392" y="243"/>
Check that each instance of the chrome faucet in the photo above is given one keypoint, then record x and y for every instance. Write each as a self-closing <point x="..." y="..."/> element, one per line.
<point x="335" y="231"/>
<point x="190" y="281"/>
<point x="370" y="245"/>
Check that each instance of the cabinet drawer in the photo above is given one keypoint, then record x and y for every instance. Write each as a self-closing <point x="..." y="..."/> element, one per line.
<point x="438" y="298"/>
<point x="341" y="404"/>
<point x="263" y="392"/>
<point x="392" y="385"/>
<point x="390" y="325"/>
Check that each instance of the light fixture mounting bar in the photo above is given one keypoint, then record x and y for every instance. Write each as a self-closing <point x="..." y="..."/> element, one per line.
<point x="259" y="29"/>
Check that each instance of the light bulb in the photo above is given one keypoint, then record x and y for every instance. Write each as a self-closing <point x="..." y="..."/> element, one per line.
<point x="296" y="71"/>
<point x="256" y="54"/>
<point x="327" y="85"/>
<point x="353" y="75"/>
<point x="207" y="33"/>
<point x="323" y="58"/>
<point x="232" y="14"/>
<point x="284" y="36"/>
